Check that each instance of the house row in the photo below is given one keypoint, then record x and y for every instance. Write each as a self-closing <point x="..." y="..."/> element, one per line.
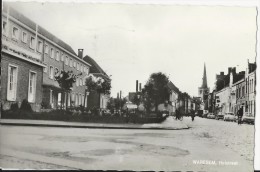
<point x="234" y="90"/>
<point x="30" y="58"/>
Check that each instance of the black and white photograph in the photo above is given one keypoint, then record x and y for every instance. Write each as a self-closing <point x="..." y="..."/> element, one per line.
<point x="143" y="85"/>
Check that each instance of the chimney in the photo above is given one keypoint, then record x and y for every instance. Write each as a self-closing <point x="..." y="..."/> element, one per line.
<point x="136" y="86"/>
<point x="234" y="70"/>
<point x="229" y="70"/>
<point x="80" y="53"/>
<point x="222" y="73"/>
<point x="140" y="87"/>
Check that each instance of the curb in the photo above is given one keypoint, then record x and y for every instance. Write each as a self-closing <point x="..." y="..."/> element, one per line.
<point x="92" y="127"/>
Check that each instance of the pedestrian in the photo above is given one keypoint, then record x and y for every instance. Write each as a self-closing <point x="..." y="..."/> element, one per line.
<point x="177" y="114"/>
<point x="240" y="115"/>
<point x="192" y="115"/>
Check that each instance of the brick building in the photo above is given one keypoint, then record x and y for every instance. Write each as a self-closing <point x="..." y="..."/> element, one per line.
<point x="21" y="63"/>
<point x="31" y="56"/>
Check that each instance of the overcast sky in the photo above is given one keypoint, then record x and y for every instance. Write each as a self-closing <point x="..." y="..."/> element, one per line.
<point x="132" y="41"/>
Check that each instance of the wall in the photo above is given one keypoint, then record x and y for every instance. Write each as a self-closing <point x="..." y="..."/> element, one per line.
<point x="224" y="99"/>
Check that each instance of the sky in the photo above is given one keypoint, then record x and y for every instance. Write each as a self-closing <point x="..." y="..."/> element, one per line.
<point x="132" y="41"/>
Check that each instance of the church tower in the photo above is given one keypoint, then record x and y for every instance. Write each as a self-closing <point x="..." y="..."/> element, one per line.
<point x="204" y="90"/>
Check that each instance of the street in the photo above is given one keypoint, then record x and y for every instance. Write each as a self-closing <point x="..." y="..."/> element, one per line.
<point x="208" y="145"/>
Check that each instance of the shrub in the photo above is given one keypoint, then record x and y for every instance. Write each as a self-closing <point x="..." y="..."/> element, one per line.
<point x="25" y="106"/>
<point x="14" y="107"/>
<point x="46" y="105"/>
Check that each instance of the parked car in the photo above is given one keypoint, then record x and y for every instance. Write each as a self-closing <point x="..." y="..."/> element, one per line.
<point x="248" y="118"/>
<point x="220" y="116"/>
<point x="229" y="117"/>
<point x="211" y="116"/>
<point x="204" y="115"/>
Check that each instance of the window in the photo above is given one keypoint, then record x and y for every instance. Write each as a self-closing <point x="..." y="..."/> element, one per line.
<point x="57" y="56"/>
<point x="32" y="42"/>
<point x="32" y="87"/>
<point x="39" y="46"/>
<point x="24" y="37"/>
<point x="75" y="64"/>
<point x="51" y="72"/>
<point x="69" y="95"/>
<point x="79" y="99"/>
<point x="46" y="49"/>
<point x="71" y="62"/>
<point x="81" y="69"/>
<point x="76" y="99"/>
<point x="45" y="69"/>
<point x="62" y="57"/>
<point x="83" y="100"/>
<point x="15" y="33"/>
<point x="252" y="85"/>
<point x="66" y="60"/>
<point x="87" y="70"/>
<point x="12" y="83"/>
<point x="56" y="71"/>
<point x="52" y="53"/>
<point x="77" y="82"/>
<point x="80" y="81"/>
<point x="4" y="27"/>
<point x="78" y="67"/>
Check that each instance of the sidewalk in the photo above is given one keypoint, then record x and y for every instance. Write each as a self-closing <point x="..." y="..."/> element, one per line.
<point x="168" y="124"/>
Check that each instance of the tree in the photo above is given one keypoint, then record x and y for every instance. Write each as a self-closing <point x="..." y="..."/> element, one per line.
<point x="119" y="103"/>
<point x="182" y="98"/>
<point x="65" y="80"/>
<point x="98" y="84"/>
<point x="156" y="90"/>
<point x="115" y="103"/>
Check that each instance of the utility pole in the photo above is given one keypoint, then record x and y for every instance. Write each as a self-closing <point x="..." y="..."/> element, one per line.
<point x="120" y="100"/>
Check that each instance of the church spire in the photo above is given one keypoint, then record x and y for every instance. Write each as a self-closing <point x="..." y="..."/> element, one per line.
<point x="204" y="79"/>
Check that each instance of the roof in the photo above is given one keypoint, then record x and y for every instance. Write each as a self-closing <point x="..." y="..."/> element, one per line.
<point x="25" y="20"/>
<point x="173" y="87"/>
<point x="238" y="77"/>
<point x="95" y="68"/>
<point x="239" y="81"/>
<point x="252" y="67"/>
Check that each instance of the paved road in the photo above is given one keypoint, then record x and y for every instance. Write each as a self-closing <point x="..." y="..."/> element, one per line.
<point x="216" y="145"/>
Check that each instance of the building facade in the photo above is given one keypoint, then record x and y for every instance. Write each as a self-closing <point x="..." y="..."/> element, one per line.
<point x="21" y="62"/>
<point x="34" y="55"/>
<point x="250" y="89"/>
<point x="174" y="94"/>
